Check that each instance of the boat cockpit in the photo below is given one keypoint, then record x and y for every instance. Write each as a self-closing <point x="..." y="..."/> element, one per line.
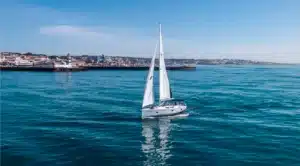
<point x="172" y="102"/>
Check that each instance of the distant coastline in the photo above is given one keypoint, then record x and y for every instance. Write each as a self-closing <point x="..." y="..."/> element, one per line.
<point x="35" y="62"/>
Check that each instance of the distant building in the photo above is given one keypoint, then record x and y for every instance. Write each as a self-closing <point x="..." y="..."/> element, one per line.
<point x="44" y="64"/>
<point x="109" y="59"/>
<point x="28" y="54"/>
<point x="2" y="58"/>
<point x="69" y="60"/>
<point x="100" y="59"/>
<point x="53" y="57"/>
<point x="78" y="63"/>
<point x="22" y="62"/>
<point x="5" y="53"/>
<point x="91" y="59"/>
<point x="62" y="64"/>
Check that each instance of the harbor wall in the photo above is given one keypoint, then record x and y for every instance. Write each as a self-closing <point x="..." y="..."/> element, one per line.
<point x="49" y="69"/>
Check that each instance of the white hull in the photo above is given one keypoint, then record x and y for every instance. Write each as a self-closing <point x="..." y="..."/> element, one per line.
<point x="158" y="111"/>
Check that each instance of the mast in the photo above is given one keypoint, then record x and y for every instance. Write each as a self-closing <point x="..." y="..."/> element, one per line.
<point x="161" y="49"/>
<point x="164" y="85"/>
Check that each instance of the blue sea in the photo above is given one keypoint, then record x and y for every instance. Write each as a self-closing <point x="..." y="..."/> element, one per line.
<point x="237" y="115"/>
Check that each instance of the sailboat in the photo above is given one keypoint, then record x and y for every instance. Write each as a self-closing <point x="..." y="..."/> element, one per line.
<point x="167" y="105"/>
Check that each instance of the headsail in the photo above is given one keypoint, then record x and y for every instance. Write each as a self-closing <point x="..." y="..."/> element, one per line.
<point x="148" y="93"/>
<point x="164" y="85"/>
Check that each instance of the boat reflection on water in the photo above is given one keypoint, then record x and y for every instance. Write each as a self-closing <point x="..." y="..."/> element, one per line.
<point x="157" y="146"/>
<point x="64" y="80"/>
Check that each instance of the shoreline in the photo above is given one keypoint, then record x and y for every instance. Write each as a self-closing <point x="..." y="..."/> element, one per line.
<point x="87" y="68"/>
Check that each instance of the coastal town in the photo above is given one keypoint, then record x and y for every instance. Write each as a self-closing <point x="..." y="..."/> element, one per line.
<point x="15" y="60"/>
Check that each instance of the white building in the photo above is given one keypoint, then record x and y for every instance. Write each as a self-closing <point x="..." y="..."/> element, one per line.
<point x="2" y="58"/>
<point x="21" y="62"/>
<point x="62" y="65"/>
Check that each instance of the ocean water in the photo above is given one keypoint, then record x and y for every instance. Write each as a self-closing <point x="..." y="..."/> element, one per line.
<point x="237" y="115"/>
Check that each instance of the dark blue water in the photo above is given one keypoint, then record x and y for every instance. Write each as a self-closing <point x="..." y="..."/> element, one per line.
<point x="238" y="115"/>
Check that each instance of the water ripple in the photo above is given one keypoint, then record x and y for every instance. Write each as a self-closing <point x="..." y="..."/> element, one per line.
<point x="237" y="115"/>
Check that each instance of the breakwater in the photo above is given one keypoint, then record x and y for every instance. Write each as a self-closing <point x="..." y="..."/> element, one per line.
<point x="42" y="69"/>
<point x="139" y="68"/>
<point x="85" y="68"/>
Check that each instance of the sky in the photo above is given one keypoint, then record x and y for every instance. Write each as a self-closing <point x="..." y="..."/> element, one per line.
<point x="264" y="30"/>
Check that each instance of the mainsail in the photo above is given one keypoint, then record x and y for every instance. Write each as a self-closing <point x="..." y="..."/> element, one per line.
<point x="148" y="93"/>
<point x="164" y="85"/>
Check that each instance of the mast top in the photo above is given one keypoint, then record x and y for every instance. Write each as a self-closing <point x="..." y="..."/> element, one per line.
<point x="160" y="40"/>
<point x="159" y="29"/>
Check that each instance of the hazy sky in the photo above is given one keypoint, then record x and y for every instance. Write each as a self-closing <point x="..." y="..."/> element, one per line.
<point x="266" y="30"/>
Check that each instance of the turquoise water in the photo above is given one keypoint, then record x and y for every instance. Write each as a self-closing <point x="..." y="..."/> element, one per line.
<point x="238" y="115"/>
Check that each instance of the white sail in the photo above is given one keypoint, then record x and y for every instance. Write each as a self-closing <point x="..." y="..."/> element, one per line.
<point x="148" y="93"/>
<point x="164" y="85"/>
